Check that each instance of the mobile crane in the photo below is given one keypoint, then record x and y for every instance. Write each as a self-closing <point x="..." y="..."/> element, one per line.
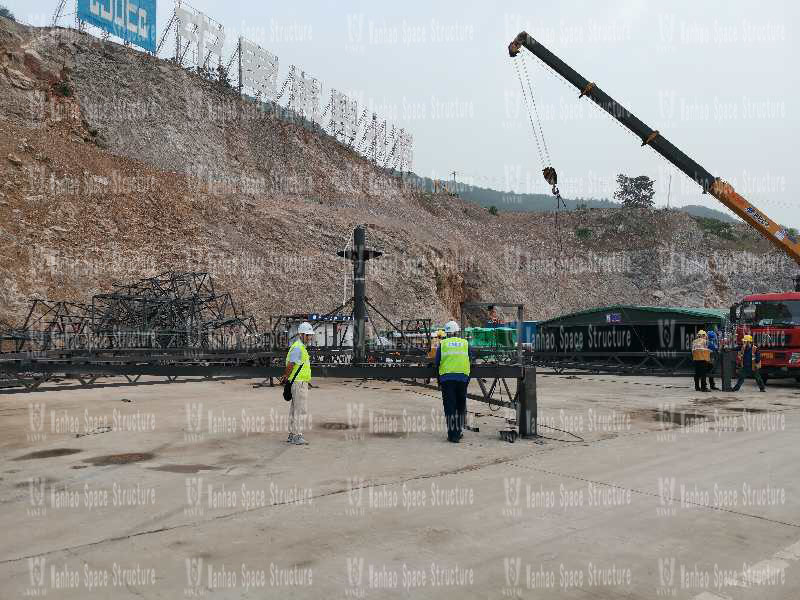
<point x="773" y="319"/>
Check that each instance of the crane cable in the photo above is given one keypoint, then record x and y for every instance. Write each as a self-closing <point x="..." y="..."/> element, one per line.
<point x="549" y="173"/>
<point x="530" y="114"/>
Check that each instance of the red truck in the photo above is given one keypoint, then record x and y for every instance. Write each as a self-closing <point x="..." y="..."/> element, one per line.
<point x="774" y="322"/>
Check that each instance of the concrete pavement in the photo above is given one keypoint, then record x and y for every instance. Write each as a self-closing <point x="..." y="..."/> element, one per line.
<point x="641" y="488"/>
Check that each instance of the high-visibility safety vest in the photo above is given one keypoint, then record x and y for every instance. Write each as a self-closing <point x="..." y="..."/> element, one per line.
<point x="700" y="350"/>
<point x="455" y="356"/>
<point x="305" y="369"/>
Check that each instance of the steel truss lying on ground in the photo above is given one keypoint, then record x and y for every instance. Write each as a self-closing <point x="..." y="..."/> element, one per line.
<point x="644" y="363"/>
<point x="87" y="367"/>
<point x="171" y="310"/>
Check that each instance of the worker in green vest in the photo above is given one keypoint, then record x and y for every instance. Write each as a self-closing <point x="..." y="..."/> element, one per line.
<point x="298" y="372"/>
<point x="452" y="363"/>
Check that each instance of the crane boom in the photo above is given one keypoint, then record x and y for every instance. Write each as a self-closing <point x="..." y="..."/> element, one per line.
<point x="718" y="188"/>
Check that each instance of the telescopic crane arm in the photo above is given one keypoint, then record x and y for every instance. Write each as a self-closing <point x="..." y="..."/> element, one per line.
<point x="718" y="188"/>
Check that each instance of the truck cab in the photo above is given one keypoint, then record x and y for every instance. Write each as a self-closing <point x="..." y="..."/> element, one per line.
<point x="774" y="322"/>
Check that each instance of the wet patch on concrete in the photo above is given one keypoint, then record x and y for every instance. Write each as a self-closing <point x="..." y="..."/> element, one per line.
<point x="714" y="401"/>
<point x="184" y="468"/>
<point x="744" y="409"/>
<point x="388" y="434"/>
<point x="49" y="453"/>
<point x="26" y="484"/>
<point x="679" y="418"/>
<point x="79" y="466"/>
<point x="336" y="426"/>
<point x="120" y="459"/>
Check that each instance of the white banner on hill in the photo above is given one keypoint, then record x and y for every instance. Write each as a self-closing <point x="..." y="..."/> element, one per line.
<point x="306" y="91"/>
<point x="202" y="36"/>
<point x="259" y="70"/>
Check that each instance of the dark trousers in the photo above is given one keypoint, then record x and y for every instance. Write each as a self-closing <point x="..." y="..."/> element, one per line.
<point x="454" y="400"/>
<point x="700" y="370"/>
<point x="744" y="374"/>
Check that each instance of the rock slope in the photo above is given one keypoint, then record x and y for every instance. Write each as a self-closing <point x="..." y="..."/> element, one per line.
<point x="115" y="165"/>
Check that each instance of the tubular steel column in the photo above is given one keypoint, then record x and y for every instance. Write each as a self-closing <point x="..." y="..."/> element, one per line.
<point x="359" y="295"/>
<point x="727" y="365"/>
<point x="359" y="254"/>
<point x="527" y="404"/>
<point x="520" y="316"/>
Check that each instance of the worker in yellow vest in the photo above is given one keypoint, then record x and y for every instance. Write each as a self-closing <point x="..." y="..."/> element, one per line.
<point x="298" y="372"/>
<point x="436" y="339"/>
<point x="452" y="364"/>
<point x="701" y="357"/>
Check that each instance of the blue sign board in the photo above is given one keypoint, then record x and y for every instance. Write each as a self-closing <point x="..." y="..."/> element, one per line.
<point x="132" y="20"/>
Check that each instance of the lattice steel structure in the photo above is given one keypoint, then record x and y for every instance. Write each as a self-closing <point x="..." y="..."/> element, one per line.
<point x="51" y="326"/>
<point x="172" y="310"/>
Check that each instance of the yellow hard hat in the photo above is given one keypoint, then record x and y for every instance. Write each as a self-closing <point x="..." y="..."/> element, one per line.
<point x="702" y="333"/>
<point x="747" y="338"/>
<point x="440" y="333"/>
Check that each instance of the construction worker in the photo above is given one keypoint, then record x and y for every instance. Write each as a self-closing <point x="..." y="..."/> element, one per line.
<point x="713" y="346"/>
<point x="452" y="363"/>
<point x="436" y="339"/>
<point x="701" y="357"/>
<point x="298" y="371"/>
<point x="749" y="362"/>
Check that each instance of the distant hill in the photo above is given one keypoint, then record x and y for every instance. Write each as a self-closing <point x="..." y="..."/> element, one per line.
<point x="511" y="202"/>
<point x="707" y="213"/>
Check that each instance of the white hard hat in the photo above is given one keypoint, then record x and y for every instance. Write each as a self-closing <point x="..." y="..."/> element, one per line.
<point x="451" y="327"/>
<point x="305" y="328"/>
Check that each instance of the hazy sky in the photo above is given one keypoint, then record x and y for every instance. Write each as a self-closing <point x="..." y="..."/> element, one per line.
<point x="718" y="78"/>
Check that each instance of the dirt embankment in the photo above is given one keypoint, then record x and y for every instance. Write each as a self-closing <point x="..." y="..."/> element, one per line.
<point x="115" y="165"/>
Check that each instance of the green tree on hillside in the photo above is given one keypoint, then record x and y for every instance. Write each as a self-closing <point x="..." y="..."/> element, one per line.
<point x="635" y="192"/>
<point x="4" y="12"/>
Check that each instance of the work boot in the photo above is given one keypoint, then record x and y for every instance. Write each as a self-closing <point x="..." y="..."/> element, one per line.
<point x="299" y="440"/>
<point x="290" y="439"/>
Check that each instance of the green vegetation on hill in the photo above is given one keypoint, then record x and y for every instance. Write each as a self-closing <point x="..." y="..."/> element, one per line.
<point x="512" y="202"/>
<point x="716" y="227"/>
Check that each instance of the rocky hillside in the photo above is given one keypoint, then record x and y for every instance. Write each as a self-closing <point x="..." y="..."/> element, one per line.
<point x="115" y="165"/>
